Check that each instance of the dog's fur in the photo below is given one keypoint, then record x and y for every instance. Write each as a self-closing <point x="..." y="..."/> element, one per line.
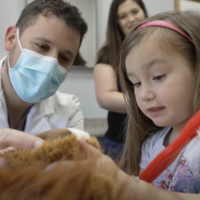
<point x="28" y="176"/>
<point x="64" y="148"/>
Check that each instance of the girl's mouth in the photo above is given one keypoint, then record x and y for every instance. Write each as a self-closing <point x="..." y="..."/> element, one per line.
<point x="155" y="111"/>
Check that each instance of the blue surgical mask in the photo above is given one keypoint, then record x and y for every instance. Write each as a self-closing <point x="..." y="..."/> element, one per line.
<point x="35" y="77"/>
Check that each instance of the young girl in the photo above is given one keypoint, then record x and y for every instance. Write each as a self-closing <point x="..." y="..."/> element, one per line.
<point x="161" y="80"/>
<point x="160" y="75"/>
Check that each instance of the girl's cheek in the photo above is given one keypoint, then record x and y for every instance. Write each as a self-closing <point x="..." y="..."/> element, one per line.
<point x="139" y="103"/>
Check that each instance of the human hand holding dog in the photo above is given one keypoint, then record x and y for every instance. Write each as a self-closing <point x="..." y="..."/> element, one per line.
<point x="105" y="165"/>
<point x="11" y="139"/>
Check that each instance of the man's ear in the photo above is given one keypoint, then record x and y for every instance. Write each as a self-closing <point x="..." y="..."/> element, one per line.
<point x="10" y="36"/>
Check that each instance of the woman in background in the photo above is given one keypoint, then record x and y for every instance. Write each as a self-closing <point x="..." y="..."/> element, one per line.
<point x="123" y="16"/>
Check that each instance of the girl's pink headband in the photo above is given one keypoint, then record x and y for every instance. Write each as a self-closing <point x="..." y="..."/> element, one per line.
<point x="166" y="25"/>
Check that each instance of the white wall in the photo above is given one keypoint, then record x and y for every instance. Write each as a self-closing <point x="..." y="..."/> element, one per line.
<point x="80" y="82"/>
<point x="89" y="45"/>
<point x="157" y="6"/>
<point x="103" y="7"/>
<point x="184" y="5"/>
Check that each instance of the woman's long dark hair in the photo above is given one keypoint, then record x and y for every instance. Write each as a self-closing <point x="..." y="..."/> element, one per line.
<point x="109" y="53"/>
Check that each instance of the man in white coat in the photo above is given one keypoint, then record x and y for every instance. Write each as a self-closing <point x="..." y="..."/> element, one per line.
<point x="41" y="50"/>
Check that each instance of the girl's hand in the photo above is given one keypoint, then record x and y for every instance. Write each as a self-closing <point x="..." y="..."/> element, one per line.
<point x="11" y="139"/>
<point x="107" y="166"/>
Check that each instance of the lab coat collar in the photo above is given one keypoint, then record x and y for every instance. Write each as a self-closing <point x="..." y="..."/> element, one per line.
<point x="3" y="109"/>
<point x="45" y="107"/>
<point x="38" y="117"/>
<point x="1" y="90"/>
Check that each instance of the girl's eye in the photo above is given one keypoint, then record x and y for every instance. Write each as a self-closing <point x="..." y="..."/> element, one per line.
<point x="158" y="78"/>
<point x="136" y="85"/>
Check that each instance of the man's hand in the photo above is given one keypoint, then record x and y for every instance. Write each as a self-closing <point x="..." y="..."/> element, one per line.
<point x="11" y="139"/>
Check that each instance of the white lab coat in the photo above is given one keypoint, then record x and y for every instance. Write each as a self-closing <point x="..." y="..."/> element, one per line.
<point x="58" y="111"/>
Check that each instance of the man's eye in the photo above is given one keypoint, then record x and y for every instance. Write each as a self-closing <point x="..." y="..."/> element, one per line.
<point x="64" y="59"/>
<point x="43" y="47"/>
<point x="158" y="78"/>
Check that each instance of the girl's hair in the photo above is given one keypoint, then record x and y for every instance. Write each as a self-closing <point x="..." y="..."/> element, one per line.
<point x="141" y="127"/>
<point x="109" y="53"/>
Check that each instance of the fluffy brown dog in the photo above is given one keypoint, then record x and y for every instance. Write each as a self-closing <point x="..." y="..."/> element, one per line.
<point x="27" y="177"/>
<point x="64" y="148"/>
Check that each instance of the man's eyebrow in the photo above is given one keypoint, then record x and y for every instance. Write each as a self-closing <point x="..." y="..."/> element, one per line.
<point x="69" y="53"/>
<point x="50" y="42"/>
<point x="44" y="40"/>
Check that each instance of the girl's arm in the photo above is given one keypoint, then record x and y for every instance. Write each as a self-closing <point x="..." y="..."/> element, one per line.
<point x="146" y="191"/>
<point x="132" y="190"/>
<point x="107" y="93"/>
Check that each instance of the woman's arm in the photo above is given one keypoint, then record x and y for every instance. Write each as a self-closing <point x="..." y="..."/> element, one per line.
<point x="107" y="93"/>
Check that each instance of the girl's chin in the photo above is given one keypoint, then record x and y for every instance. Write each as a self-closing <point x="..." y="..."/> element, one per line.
<point x="160" y="124"/>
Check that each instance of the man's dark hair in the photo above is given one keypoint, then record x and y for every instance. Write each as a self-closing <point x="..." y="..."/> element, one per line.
<point x="59" y="8"/>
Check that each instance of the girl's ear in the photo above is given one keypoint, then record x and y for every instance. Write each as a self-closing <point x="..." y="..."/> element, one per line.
<point x="10" y="36"/>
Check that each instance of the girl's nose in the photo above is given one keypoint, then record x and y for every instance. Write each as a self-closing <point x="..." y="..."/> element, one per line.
<point x="147" y="94"/>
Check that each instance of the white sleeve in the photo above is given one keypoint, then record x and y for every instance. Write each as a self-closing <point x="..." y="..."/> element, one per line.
<point x="76" y="116"/>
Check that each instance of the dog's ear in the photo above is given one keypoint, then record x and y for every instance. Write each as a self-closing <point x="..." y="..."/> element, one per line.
<point x="54" y="134"/>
